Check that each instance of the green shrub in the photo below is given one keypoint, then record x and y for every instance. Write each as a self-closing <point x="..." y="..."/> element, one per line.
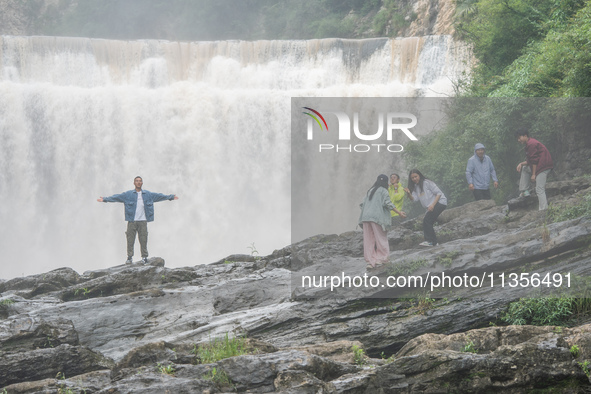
<point x="358" y="355"/>
<point x="424" y="303"/>
<point x="6" y="303"/>
<point x="380" y="22"/>
<point x="585" y="367"/>
<point x="5" y="306"/>
<point x="219" y="349"/>
<point x="334" y="26"/>
<point x="166" y="369"/>
<point x="470" y="348"/>
<point x="447" y="259"/>
<point x="218" y="376"/>
<point x="540" y="311"/>
<point x="559" y="214"/>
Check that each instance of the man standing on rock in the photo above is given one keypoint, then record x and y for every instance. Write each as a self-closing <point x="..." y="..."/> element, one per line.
<point x="139" y="210"/>
<point x="535" y="168"/>
<point x="478" y="173"/>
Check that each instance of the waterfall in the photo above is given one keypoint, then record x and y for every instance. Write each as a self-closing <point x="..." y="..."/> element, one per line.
<point x="208" y="121"/>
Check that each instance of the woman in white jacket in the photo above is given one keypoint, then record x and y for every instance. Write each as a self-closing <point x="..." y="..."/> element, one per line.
<point x="431" y="198"/>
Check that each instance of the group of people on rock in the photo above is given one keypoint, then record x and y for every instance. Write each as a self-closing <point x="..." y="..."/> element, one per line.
<point x="381" y="208"/>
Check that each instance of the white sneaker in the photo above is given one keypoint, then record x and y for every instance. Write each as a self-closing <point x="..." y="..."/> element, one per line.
<point x="129" y="260"/>
<point x="426" y="243"/>
<point x="144" y="260"/>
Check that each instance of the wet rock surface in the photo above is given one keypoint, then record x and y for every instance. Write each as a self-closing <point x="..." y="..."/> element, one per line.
<point x="136" y="328"/>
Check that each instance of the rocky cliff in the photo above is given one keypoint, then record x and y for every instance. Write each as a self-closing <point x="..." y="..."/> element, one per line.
<point x="420" y="18"/>
<point x="142" y="328"/>
<point x="434" y="17"/>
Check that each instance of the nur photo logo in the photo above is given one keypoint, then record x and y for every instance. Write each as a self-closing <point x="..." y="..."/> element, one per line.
<point x="388" y="125"/>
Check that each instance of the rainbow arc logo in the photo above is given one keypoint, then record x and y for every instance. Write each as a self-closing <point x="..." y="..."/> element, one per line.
<point x="315" y="118"/>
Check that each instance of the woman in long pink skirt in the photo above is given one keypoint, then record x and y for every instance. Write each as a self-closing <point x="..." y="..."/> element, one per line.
<point x="374" y="219"/>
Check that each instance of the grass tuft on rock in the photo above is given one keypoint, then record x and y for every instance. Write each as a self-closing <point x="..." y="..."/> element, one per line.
<point x="562" y="213"/>
<point x="551" y="311"/>
<point x="221" y="348"/>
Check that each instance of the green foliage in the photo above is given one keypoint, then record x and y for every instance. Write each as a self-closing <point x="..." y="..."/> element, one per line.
<point x="581" y="306"/>
<point x="219" y="349"/>
<point x="393" y="17"/>
<point x="446" y="259"/>
<point x="5" y="306"/>
<point x="499" y="30"/>
<point x="558" y="65"/>
<point x="62" y="388"/>
<point x="575" y="351"/>
<point x="424" y="303"/>
<point x="314" y="18"/>
<point x="84" y="291"/>
<point x="470" y="348"/>
<point x="254" y="252"/>
<point x="528" y="48"/>
<point x="465" y="9"/>
<point x="540" y="311"/>
<point x="218" y="376"/>
<point x="165" y="369"/>
<point x="585" y="367"/>
<point x="561" y="213"/>
<point x="333" y="27"/>
<point x="358" y="355"/>
<point x="6" y="303"/>
<point x="406" y="267"/>
<point x="380" y="22"/>
<point x="399" y="22"/>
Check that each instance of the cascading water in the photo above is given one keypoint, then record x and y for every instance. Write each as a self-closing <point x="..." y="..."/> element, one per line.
<point x="208" y="121"/>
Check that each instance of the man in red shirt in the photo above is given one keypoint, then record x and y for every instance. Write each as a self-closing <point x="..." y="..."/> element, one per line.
<point x="535" y="168"/>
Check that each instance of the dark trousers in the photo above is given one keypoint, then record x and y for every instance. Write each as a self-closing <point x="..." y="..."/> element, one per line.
<point x="141" y="229"/>
<point x="480" y="194"/>
<point x="429" y="220"/>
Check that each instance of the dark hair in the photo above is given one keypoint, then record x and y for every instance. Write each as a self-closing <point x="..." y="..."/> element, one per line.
<point x="137" y="178"/>
<point x="382" y="181"/>
<point x="411" y="184"/>
<point x="521" y="132"/>
<point x="397" y="176"/>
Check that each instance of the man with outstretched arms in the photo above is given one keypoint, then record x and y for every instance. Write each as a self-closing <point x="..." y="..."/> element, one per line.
<point x="139" y="210"/>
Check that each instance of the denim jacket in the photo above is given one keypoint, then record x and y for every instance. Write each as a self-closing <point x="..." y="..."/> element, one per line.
<point x="129" y="198"/>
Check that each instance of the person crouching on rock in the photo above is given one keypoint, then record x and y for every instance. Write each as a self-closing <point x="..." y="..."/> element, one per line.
<point x="374" y="219"/>
<point x="431" y="197"/>
<point x="535" y="168"/>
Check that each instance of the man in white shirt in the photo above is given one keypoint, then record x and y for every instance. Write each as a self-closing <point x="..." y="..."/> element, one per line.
<point x="139" y="210"/>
